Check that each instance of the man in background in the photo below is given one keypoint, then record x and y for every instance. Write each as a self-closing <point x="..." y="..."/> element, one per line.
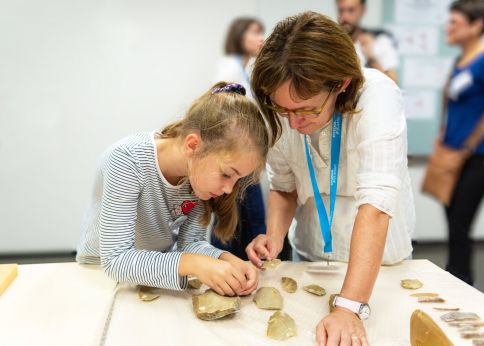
<point x="375" y="48"/>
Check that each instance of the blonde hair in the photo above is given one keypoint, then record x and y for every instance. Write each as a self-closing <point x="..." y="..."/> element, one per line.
<point x="226" y="122"/>
<point x="315" y="54"/>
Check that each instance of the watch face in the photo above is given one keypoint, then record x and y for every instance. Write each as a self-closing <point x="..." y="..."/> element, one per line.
<point x="364" y="311"/>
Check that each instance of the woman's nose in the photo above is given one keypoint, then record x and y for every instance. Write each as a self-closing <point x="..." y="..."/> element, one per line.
<point x="294" y="121"/>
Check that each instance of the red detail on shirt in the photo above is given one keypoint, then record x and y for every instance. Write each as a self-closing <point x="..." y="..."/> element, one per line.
<point x="186" y="206"/>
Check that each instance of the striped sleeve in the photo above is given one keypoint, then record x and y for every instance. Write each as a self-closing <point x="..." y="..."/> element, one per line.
<point x="123" y="183"/>
<point x="192" y="235"/>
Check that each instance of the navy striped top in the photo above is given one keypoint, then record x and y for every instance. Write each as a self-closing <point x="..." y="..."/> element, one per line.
<point x="138" y="224"/>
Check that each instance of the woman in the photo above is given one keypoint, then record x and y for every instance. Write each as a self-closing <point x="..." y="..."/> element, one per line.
<point x="465" y="109"/>
<point x="244" y="40"/>
<point x="333" y="120"/>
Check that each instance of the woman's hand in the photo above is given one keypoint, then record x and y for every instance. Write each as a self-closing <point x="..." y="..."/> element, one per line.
<point x="341" y="327"/>
<point x="222" y="276"/>
<point x="264" y="247"/>
<point x="251" y="273"/>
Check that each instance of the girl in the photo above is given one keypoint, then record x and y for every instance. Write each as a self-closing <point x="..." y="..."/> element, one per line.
<point x="155" y="192"/>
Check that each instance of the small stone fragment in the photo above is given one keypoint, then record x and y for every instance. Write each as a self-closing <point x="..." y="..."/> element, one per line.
<point x="424" y="295"/>
<point x="194" y="283"/>
<point x="211" y="306"/>
<point x="331" y="301"/>
<point x="472" y="335"/>
<point x="289" y="285"/>
<point x="147" y="294"/>
<point x="468" y="329"/>
<point x="430" y="300"/>
<point x="466" y="324"/>
<point x="271" y="264"/>
<point x="425" y="332"/>
<point x="315" y="289"/>
<point x="411" y="284"/>
<point x="459" y="316"/>
<point x="446" y="309"/>
<point x="268" y="298"/>
<point x="281" y="326"/>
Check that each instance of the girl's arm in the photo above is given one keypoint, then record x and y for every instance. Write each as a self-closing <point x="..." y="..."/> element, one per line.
<point x="122" y="185"/>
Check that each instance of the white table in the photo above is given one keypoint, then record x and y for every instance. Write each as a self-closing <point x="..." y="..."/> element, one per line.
<point x="67" y="304"/>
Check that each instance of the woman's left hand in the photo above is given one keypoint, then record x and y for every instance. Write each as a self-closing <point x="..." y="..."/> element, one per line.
<point x="250" y="271"/>
<point x="341" y="327"/>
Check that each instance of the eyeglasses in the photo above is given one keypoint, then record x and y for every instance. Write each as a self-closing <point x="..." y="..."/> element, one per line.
<point x="308" y="114"/>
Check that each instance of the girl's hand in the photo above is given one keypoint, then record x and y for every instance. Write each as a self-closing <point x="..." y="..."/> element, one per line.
<point x="221" y="276"/>
<point x="251" y="273"/>
<point x="264" y="247"/>
<point x="341" y="327"/>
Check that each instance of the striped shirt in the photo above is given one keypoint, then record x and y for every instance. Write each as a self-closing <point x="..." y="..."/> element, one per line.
<point x="138" y="224"/>
<point x="372" y="170"/>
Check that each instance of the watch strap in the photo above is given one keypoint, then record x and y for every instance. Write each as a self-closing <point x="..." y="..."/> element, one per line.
<point x="347" y="304"/>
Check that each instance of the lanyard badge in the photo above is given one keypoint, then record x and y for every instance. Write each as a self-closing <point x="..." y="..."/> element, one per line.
<point x="325" y="222"/>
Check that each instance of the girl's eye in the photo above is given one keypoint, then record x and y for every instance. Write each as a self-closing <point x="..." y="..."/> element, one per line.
<point x="226" y="176"/>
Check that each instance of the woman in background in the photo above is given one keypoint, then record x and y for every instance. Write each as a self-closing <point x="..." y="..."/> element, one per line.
<point x="465" y="109"/>
<point x="244" y="40"/>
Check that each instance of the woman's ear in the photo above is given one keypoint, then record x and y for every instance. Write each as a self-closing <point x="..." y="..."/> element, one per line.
<point x="192" y="144"/>
<point x="477" y="26"/>
<point x="344" y="85"/>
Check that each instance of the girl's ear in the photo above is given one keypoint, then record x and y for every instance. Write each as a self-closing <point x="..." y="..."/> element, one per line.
<point x="192" y="144"/>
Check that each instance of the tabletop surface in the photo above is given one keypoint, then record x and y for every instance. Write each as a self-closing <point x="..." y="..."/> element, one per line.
<point x="69" y="304"/>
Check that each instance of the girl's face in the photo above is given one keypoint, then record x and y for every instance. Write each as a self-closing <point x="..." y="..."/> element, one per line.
<point x="460" y="30"/>
<point x="253" y="39"/>
<point x="217" y="173"/>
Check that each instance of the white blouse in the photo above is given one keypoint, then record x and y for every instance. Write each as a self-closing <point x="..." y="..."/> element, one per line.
<point x="372" y="170"/>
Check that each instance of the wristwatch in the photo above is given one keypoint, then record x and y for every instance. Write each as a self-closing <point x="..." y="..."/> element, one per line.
<point x="362" y="310"/>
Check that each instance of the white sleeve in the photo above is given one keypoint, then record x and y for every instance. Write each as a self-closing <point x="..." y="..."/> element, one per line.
<point x="385" y="53"/>
<point x="279" y="172"/>
<point x="382" y="144"/>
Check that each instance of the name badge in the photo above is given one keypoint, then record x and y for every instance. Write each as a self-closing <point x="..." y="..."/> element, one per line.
<point x="459" y="83"/>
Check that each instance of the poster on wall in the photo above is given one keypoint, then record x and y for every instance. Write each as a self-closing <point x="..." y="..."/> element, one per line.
<point x="415" y="40"/>
<point x="420" y="104"/>
<point x="421" y="11"/>
<point x="426" y="72"/>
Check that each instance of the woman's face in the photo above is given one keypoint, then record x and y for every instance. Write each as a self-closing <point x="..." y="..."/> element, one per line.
<point x="460" y="30"/>
<point x="282" y="98"/>
<point x="215" y="174"/>
<point x="253" y="39"/>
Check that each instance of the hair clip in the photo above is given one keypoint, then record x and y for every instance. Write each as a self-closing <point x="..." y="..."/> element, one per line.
<point x="230" y="88"/>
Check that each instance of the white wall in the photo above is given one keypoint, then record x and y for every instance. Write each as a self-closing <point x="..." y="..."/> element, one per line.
<point x="77" y="75"/>
<point x="271" y="11"/>
<point x="431" y="224"/>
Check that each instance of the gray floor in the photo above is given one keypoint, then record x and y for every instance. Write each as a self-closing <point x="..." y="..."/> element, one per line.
<point x="436" y="253"/>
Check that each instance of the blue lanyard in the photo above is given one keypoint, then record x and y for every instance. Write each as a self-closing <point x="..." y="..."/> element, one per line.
<point x="324" y="222"/>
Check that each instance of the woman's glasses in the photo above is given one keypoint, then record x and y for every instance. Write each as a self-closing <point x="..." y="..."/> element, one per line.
<point x="308" y="114"/>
